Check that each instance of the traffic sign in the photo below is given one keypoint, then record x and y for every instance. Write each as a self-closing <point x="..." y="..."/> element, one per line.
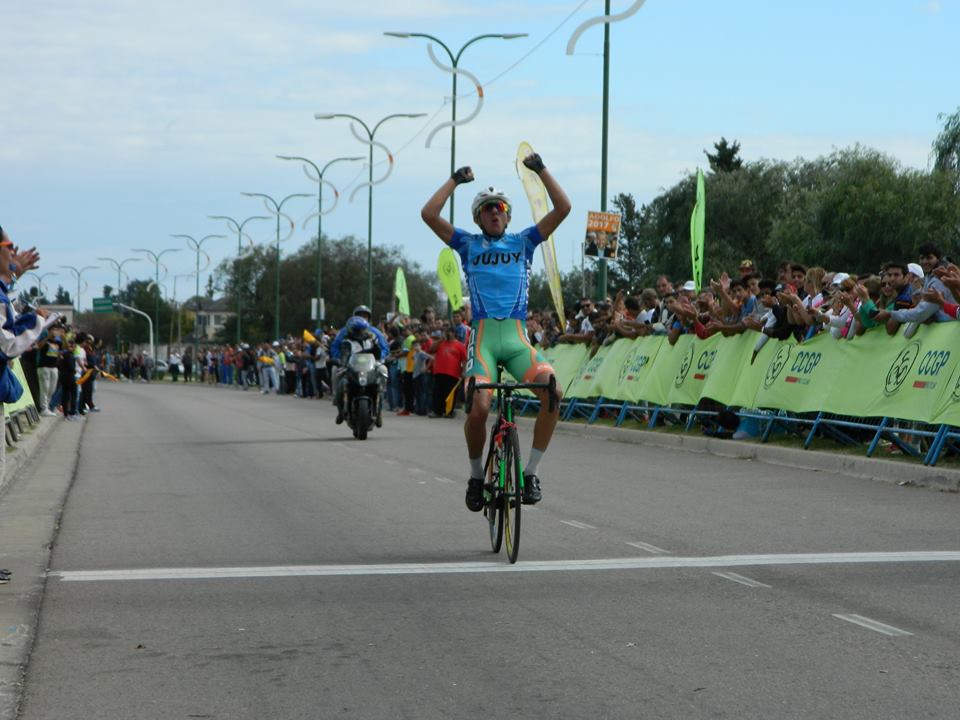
<point x="103" y="305"/>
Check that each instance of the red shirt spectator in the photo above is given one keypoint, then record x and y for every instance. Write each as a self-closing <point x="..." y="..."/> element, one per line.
<point x="449" y="356"/>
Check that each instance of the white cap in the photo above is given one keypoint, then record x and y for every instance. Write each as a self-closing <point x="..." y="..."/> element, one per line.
<point x="689" y="286"/>
<point x="915" y="269"/>
<point x="839" y="278"/>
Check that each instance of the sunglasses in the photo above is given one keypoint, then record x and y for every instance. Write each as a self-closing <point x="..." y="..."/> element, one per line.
<point x="497" y="205"/>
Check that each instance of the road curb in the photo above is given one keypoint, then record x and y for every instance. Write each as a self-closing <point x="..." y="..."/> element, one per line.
<point x="30" y="508"/>
<point x="21" y="453"/>
<point x="881" y="470"/>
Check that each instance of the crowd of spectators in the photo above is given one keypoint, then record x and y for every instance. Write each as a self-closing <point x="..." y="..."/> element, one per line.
<point x="427" y="355"/>
<point x="797" y="302"/>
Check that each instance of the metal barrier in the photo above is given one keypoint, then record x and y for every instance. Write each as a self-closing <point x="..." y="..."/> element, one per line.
<point x="18" y="422"/>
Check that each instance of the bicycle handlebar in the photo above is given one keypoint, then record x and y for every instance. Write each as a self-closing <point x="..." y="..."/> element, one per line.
<point x="508" y="388"/>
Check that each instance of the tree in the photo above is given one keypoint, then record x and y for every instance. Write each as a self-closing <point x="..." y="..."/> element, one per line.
<point x="627" y="271"/>
<point x="62" y="297"/>
<point x="726" y="159"/>
<point x="946" y="148"/>
<point x="253" y="277"/>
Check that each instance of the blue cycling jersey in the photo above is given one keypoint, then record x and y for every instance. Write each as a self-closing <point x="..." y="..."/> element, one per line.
<point x="498" y="271"/>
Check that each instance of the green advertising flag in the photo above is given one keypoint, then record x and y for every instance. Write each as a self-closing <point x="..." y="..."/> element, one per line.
<point x="400" y="291"/>
<point x="698" y="222"/>
<point x="448" y="270"/>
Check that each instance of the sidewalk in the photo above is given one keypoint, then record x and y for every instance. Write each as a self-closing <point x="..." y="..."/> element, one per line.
<point x="39" y="472"/>
<point x="890" y="471"/>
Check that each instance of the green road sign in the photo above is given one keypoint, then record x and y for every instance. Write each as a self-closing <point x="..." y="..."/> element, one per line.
<point x="103" y="305"/>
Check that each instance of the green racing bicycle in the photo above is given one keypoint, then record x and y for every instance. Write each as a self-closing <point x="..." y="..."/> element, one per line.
<point x="503" y="468"/>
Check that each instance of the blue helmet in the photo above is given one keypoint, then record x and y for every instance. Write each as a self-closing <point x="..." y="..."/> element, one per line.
<point x="357" y="325"/>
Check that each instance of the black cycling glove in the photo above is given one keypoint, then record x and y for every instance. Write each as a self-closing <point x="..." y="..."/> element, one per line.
<point x="463" y="175"/>
<point x="534" y="162"/>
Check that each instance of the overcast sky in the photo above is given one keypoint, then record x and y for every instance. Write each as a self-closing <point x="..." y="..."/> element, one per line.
<point x="125" y="122"/>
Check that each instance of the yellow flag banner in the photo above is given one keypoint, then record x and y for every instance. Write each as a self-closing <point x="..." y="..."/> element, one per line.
<point x="400" y="291"/>
<point x="309" y="337"/>
<point x="448" y="403"/>
<point x="537" y="195"/>
<point x="448" y="270"/>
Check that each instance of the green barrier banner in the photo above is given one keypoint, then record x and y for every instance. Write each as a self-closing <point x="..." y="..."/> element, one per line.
<point x="26" y="400"/>
<point x="611" y="384"/>
<point x="670" y="370"/>
<point x="909" y="379"/>
<point x="948" y="409"/>
<point x="587" y="384"/>
<point x="873" y="375"/>
<point x="800" y="378"/>
<point x="693" y="371"/>
<point x="731" y="379"/>
<point x="566" y="361"/>
<point x="637" y="369"/>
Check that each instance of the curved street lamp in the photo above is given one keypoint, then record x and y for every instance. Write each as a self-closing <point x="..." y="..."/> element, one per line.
<point x="237" y="227"/>
<point x="118" y="266"/>
<point x="195" y="244"/>
<point x="454" y="60"/>
<point x="277" y="207"/>
<point x="370" y="183"/>
<point x="78" y="272"/>
<point x="606" y="19"/>
<point x="320" y="212"/>
<point x="156" y="310"/>
<point x="40" y="277"/>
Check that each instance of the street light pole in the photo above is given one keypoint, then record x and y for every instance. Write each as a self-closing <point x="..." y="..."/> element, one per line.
<point x="195" y="244"/>
<point x="118" y="266"/>
<point x="79" y="273"/>
<point x="370" y="134"/>
<point x="176" y="304"/>
<point x="237" y="227"/>
<point x="320" y="182"/>
<point x="607" y="20"/>
<point x="278" y="206"/>
<point x="454" y="60"/>
<point x="156" y="309"/>
<point x="601" y="290"/>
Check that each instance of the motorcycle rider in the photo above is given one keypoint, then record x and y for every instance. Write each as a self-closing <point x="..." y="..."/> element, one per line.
<point x="359" y="330"/>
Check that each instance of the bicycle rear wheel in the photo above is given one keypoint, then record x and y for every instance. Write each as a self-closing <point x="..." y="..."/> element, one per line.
<point x="512" y="500"/>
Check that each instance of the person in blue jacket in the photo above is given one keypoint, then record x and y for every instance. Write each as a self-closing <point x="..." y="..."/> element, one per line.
<point x="359" y="330"/>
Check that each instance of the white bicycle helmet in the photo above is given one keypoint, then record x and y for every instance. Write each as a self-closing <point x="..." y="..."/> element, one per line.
<point x="487" y="195"/>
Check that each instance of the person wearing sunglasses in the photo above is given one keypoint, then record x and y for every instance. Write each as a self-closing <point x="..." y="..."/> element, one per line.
<point x="497" y="265"/>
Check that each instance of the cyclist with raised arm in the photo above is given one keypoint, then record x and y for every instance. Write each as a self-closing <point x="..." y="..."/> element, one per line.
<point x="497" y="266"/>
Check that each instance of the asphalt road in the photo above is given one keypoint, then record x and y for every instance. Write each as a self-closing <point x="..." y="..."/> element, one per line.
<point x="254" y="561"/>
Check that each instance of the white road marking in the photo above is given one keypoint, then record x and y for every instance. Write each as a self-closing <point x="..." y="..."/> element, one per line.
<point x="392" y="462"/>
<point x="874" y="625"/>
<point x="443" y="480"/>
<point x="577" y="524"/>
<point x="416" y="471"/>
<point x="742" y="579"/>
<point x="653" y="549"/>
<point x="645" y="563"/>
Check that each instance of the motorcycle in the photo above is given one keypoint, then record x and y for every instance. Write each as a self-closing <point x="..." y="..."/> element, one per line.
<point x="365" y="381"/>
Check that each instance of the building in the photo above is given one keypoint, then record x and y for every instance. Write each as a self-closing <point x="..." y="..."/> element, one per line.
<point x="213" y="315"/>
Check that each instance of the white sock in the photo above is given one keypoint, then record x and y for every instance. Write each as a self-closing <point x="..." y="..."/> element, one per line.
<point x="533" y="462"/>
<point x="476" y="467"/>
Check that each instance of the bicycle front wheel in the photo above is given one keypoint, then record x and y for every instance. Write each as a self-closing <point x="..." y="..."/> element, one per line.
<point x="492" y="499"/>
<point x="512" y="491"/>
